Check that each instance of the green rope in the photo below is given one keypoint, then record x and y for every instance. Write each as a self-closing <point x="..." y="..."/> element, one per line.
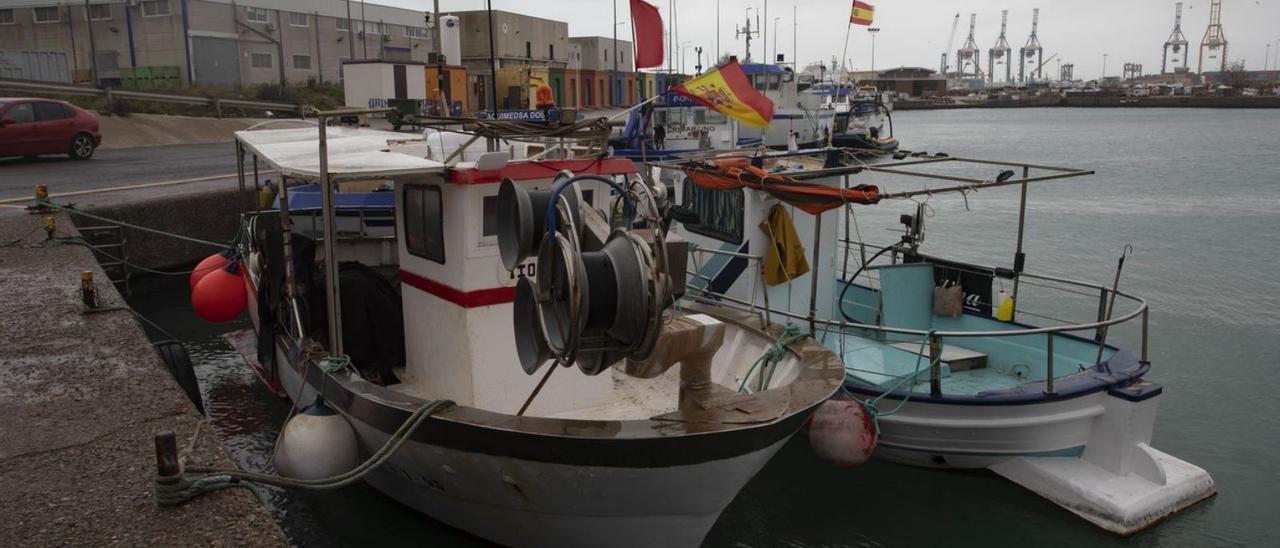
<point x="172" y="493"/>
<point x="771" y="356"/>
<point x="870" y="404"/>
<point x="74" y="211"/>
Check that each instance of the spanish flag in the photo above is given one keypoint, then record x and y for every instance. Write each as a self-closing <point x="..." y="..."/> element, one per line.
<point x="862" y="13"/>
<point x="726" y="90"/>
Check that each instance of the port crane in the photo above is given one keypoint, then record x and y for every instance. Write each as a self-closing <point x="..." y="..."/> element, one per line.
<point x="968" y="55"/>
<point x="1000" y="52"/>
<point x="1032" y="52"/>
<point x="1214" y="39"/>
<point x="950" y="40"/>
<point x="1177" y="42"/>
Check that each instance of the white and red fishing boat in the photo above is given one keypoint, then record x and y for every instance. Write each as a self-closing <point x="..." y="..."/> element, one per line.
<point x="676" y="404"/>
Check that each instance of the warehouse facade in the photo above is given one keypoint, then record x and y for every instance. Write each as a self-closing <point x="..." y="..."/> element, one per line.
<point x="206" y="42"/>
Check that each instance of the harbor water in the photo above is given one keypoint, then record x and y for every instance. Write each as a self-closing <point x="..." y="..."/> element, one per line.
<point x="1195" y="192"/>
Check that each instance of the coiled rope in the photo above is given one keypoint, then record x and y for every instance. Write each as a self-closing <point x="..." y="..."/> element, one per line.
<point x="771" y="356"/>
<point x="172" y="491"/>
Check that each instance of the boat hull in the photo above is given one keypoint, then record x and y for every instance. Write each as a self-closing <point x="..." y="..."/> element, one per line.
<point x="526" y="489"/>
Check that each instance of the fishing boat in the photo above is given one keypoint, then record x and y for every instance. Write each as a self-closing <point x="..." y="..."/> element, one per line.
<point x="799" y="120"/>
<point x="864" y="121"/>
<point x="500" y="267"/>
<point x="944" y="354"/>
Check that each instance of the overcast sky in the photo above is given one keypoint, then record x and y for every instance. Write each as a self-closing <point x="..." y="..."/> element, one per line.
<point x="914" y="32"/>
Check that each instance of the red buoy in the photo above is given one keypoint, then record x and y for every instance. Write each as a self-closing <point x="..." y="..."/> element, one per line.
<point x="843" y="433"/>
<point x="220" y="296"/>
<point x="209" y="265"/>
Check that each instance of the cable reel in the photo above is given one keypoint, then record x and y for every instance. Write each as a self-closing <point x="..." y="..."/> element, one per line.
<point x="599" y="294"/>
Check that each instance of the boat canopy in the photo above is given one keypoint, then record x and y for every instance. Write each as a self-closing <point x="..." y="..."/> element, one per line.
<point x="354" y="153"/>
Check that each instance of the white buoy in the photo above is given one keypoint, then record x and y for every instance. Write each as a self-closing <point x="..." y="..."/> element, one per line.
<point x="842" y="433"/>
<point x="316" y="443"/>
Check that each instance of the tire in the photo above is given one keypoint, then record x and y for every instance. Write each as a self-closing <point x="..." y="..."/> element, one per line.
<point x="82" y="147"/>
<point x="179" y="364"/>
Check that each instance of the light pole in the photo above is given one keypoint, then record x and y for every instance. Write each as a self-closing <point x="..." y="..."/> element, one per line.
<point x="1266" y="58"/>
<point x="874" y="31"/>
<point x="1104" y="69"/>
<point x="684" y="47"/>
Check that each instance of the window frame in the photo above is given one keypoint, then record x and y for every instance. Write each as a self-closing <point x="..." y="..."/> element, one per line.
<point x="306" y="19"/>
<point x="13" y="17"/>
<point x="38" y="105"/>
<point x="168" y="8"/>
<point x="249" y="11"/>
<point x="254" y="55"/>
<point x="100" y="6"/>
<point x="338" y="24"/>
<point x="404" y="221"/>
<point x="35" y="15"/>
<point x="294" y="62"/>
<point x="425" y="33"/>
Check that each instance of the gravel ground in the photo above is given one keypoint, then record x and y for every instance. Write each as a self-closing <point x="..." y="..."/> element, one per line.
<point x="81" y="396"/>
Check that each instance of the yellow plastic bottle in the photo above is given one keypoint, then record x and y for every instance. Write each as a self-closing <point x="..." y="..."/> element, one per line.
<point x="1004" y="308"/>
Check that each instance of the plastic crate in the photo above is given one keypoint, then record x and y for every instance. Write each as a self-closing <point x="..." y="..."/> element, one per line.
<point x="126" y="72"/>
<point x="128" y="82"/>
<point x="167" y="71"/>
<point x="142" y="73"/>
<point x="145" y="84"/>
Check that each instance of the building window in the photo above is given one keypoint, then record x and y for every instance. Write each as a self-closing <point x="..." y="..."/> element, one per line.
<point x="47" y="15"/>
<point x="100" y="12"/>
<point x="371" y="27"/>
<point x="719" y="211"/>
<point x="415" y="32"/>
<point x="299" y="19"/>
<point x="528" y="50"/>
<point x="258" y="15"/>
<point x="6" y="17"/>
<point x="489" y="216"/>
<point x="343" y="25"/>
<point x="424" y="222"/>
<point x="155" y="8"/>
<point x="300" y="62"/>
<point x="260" y="60"/>
<point x="551" y="51"/>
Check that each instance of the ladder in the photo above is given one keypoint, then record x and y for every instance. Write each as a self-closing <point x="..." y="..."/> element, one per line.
<point x="110" y="239"/>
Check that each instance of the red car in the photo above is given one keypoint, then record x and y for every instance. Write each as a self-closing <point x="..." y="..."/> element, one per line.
<point x="33" y="126"/>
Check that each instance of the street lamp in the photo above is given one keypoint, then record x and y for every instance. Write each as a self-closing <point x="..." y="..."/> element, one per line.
<point x="1104" y="69"/>
<point x="874" y="31"/>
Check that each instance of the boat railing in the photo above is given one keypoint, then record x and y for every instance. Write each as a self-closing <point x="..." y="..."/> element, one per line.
<point x="1105" y="320"/>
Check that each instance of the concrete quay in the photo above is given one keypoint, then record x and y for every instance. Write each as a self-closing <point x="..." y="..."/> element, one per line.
<point x="81" y="396"/>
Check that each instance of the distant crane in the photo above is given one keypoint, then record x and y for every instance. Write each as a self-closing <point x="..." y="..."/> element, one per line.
<point x="1065" y="72"/>
<point x="1214" y="39"/>
<point x="951" y="39"/>
<point x="1000" y="52"/>
<point x="968" y="55"/>
<point x="1131" y="71"/>
<point x="1032" y="50"/>
<point x="1177" y="42"/>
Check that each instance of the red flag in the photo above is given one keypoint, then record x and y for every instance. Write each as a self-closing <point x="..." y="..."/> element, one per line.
<point x="646" y="24"/>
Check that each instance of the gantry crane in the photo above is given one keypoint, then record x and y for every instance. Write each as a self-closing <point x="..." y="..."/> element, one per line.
<point x="1177" y="42"/>
<point x="1000" y="52"/>
<point x="1214" y="39"/>
<point x="1032" y="52"/>
<point x="968" y="55"/>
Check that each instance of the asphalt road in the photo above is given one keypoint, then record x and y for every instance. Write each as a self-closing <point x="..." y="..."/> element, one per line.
<point x="110" y="168"/>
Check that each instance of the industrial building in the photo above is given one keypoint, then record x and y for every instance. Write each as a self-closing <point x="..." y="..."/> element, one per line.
<point x="153" y="44"/>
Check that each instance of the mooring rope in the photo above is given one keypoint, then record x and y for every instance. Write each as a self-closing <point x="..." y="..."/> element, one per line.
<point x="72" y="210"/>
<point x="870" y="404"/>
<point x="771" y="355"/>
<point x="174" y="491"/>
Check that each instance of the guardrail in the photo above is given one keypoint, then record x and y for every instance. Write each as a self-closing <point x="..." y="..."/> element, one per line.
<point x="113" y="94"/>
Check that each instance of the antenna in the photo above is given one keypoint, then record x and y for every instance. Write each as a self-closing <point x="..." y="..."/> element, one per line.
<point x="967" y="55"/>
<point x="1177" y="42"/>
<point x="1032" y="53"/>
<point x="1214" y="39"/>
<point x="1000" y="52"/>
<point x="748" y="31"/>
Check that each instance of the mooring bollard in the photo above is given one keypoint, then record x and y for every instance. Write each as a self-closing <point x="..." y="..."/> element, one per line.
<point x="168" y="468"/>
<point x="88" y="291"/>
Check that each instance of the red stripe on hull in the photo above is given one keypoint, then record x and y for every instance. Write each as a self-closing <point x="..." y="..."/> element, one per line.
<point x="465" y="299"/>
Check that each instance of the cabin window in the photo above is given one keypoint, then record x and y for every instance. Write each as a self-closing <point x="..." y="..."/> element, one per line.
<point x="720" y="211"/>
<point x="489" y="216"/>
<point x="424" y="222"/>
<point x="704" y="117"/>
